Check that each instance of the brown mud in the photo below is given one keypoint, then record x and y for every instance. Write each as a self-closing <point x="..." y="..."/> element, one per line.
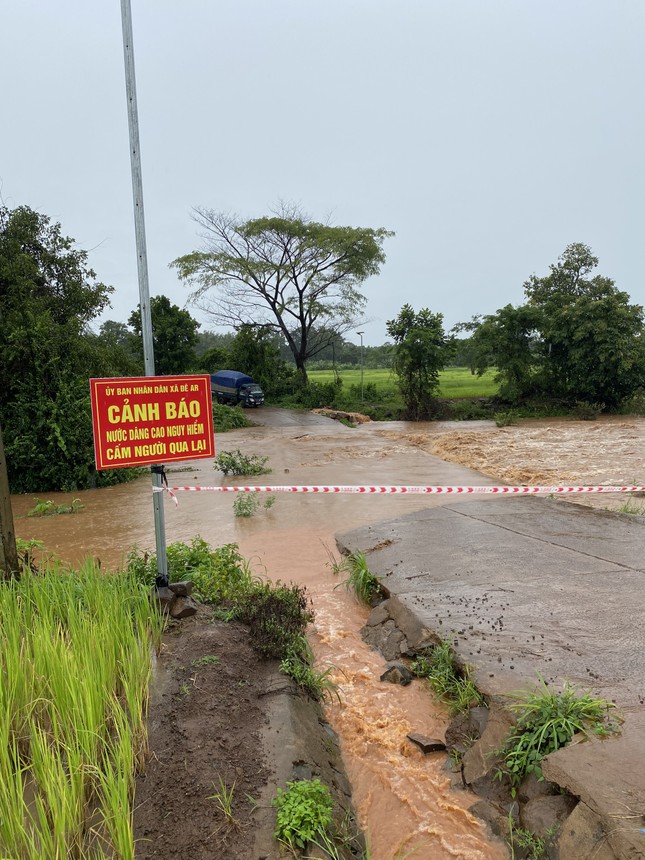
<point x="206" y="722"/>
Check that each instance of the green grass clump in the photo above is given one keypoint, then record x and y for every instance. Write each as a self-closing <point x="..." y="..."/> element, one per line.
<point x="74" y="671"/>
<point x="359" y="578"/>
<point x="237" y="463"/>
<point x="455" y="686"/>
<point x="547" y="720"/>
<point x="304" y="814"/>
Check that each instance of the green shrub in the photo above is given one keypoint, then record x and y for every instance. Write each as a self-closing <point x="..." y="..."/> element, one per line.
<point x="229" y="418"/>
<point x="505" y="419"/>
<point x="304" y="813"/>
<point x="247" y="504"/>
<point x="218" y="574"/>
<point x="277" y="615"/>
<point x="237" y="463"/>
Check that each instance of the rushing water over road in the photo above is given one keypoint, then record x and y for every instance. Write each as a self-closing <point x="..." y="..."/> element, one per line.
<point x="403" y="797"/>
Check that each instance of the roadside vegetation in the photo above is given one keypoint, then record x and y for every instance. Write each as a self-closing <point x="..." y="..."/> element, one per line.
<point x="451" y="683"/>
<point x="547" y="719"/>
<point x="277" y="614"/>
<point x="358" y="576"/>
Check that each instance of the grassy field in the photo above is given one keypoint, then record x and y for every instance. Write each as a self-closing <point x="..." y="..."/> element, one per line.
<point x="455" y="382"/>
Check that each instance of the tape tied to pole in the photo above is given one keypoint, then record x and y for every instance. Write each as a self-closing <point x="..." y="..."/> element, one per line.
<point x="403" y="490"/>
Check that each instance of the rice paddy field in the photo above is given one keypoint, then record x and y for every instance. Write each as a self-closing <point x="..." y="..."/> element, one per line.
<point x="455" y="382"/>
<point x="75" y="663"/>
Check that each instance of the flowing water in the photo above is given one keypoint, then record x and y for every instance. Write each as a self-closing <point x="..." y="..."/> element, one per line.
<point x="403" y="798"/>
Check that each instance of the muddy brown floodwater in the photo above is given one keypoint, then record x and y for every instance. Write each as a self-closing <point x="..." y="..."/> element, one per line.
<point x="403" y="798"/>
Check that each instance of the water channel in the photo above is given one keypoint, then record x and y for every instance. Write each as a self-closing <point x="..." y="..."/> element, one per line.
<point x="403" y="798"/>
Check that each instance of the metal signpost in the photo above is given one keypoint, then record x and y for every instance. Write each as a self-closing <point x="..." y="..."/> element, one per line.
<point x="142" y="269"/>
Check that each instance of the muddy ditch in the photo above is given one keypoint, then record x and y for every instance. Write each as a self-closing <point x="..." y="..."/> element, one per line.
<point x="226" y="731"/>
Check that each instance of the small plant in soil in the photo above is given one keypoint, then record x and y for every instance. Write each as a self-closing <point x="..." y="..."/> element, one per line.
<point x="546" y="721"/>
<point x="206" y="660"/>
<point x="532" y="847"/>
<point x="247" y="504"/>
<point x="237" y="463"/>
<point x="298" y="665"/>
<point x="223" y="797"/>
<point x="50" y="509"/>
<point x="304" y="815"/>
<point x="455" y="686"/>
<point x="359" y="578"/>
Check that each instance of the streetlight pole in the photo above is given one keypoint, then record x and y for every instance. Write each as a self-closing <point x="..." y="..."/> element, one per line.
<point x="360" y="334"/>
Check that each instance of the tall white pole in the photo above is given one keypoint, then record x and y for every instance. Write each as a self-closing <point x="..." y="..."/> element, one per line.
<point x="142" y="269"/>
<point x="360" y="334"/>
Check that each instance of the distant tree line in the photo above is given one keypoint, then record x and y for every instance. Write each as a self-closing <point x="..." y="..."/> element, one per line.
<point x="576" y="339"/>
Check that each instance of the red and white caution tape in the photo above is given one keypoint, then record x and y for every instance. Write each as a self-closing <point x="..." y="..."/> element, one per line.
<point x="403" y="489"/>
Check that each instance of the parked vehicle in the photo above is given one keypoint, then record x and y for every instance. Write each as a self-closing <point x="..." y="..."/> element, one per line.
<point x="233" y="387"/>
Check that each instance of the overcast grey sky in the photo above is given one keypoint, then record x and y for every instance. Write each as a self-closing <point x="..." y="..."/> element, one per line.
<point x="488" y="134"/>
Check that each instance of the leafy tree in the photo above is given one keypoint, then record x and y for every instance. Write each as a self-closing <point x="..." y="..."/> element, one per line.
<point x="507" y="341"/>
<point x="209" y="339"/>
<point x="421" y="350"/>
<point x="577" y="338"/>
<point x="214" y="359"/>
<point x="285" y="272"/>
<point x="48" y="298"/>
<point x="174" y="336"/>
<point x="124" y="346"/>
<point x="591" y="337"/>
<point x="254" y="352"/>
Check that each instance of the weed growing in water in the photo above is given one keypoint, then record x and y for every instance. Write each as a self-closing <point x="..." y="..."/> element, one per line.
<point x="298" y="665"/>
<point x="237" y="463"/>
<point x="247" y="504"/>
<point x="547" y="720"/>
<point x="50" y="509"/>
<point x="456" y="687"/>
<point x="359" y="577"/>
<point x="304" y="814"/>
